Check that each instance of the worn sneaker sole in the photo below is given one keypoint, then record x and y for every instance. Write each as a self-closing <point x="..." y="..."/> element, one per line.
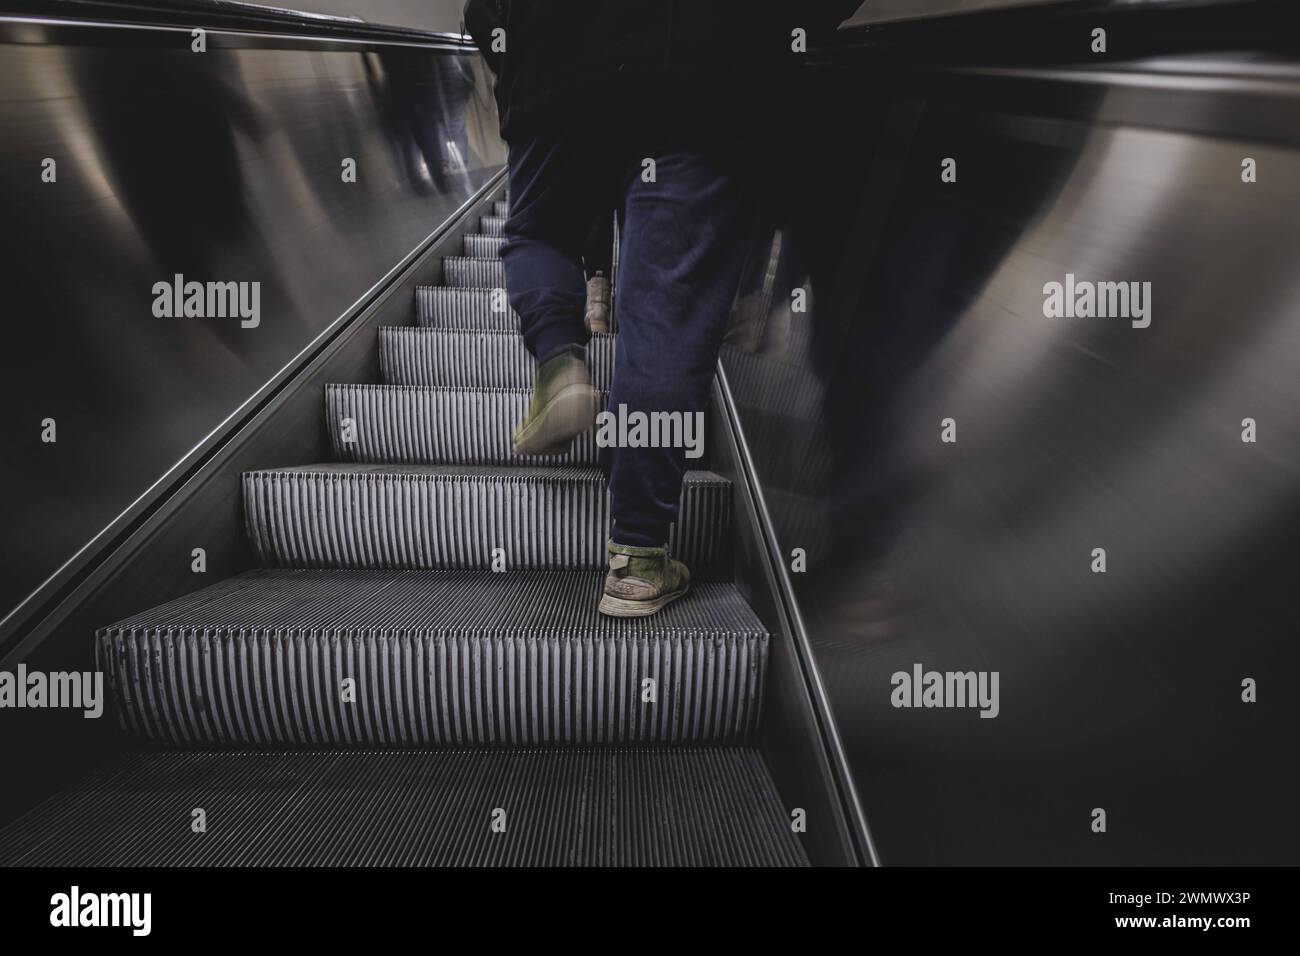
<point x="562" y="419"/>
<point x="622" y="607"/>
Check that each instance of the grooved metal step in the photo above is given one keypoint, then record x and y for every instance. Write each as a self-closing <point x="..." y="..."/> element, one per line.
<point x="483" y="247"/>
<point x="462" y="272"/>
<point x="420" y="516"/>
<point x="646" y="807"/>
<point x="381" y="630"/>
<point x="501" y="208"/>
<point x="418" y="424"/>
<point x="463" y="358"/>
<point x="434" y="658"/>
<point x="444" y="308"/>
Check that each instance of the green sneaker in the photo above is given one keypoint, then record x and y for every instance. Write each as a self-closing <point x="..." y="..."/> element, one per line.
<point x="564" y="406"/>
<point x="641" y="581"/>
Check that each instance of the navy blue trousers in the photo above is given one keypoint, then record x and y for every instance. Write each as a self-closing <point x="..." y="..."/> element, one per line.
<point x="684" y="225"/>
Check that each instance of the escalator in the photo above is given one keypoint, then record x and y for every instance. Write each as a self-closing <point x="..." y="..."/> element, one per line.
<point x="417" y="673"/>
<point x="340" y="623"/>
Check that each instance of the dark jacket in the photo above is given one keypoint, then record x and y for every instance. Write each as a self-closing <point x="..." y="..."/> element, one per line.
<point x="716" y="61"/>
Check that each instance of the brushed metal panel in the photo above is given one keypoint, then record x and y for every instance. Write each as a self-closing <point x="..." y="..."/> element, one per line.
<point x="219" y="166"/>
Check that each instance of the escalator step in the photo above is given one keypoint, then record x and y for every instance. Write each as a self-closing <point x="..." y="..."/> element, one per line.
<point x="437" y="426"/>
<point x="443" y="308"/>
<point x="492" y="225"/>
<point x="484" y="247"/>
<point x="649" y="807"/>
<point x="314" y="658"/>
<point x="462" y="272"/>
<point x="420" y="516"/>
<point x="461" y="358"/>
<point x="501" y="208"/>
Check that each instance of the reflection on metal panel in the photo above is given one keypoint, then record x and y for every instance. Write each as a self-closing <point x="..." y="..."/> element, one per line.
<point x="130" y="160"/>
<point x="885" y="11"/>
<point x="1122" y="428"/>
<point x="443" y="15"/>
<point x="888" y="11"/>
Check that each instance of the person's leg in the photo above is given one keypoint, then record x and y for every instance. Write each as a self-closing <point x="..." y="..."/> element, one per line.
<point x="555" y="184"/>
<point x="684" y="238"/>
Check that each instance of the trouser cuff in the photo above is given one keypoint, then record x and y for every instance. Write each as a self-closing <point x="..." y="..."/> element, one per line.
<point x="551" y="342"/>
<point x="639" y="537"/>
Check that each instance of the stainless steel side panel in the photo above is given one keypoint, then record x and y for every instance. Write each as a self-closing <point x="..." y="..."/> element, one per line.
<point x="127" y="159"/>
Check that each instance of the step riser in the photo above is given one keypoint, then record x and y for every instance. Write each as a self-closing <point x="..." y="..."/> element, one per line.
<point x="469" y="309"/>
<point x="464" y="273"/>
<point x="284" y="689"/>
<point x="501" y="209"/>
<point x="435" y="658"/>
<point x="492" y="226"/>
<point x="437" y="427"/>
<point x="483" y="247"/>
<point x="340" y="520"/>
<point x="483" y="360"/>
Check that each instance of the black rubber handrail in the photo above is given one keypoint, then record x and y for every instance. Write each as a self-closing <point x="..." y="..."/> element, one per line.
<point x="232" y="15"/>
<point x="1057" y="31"/>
